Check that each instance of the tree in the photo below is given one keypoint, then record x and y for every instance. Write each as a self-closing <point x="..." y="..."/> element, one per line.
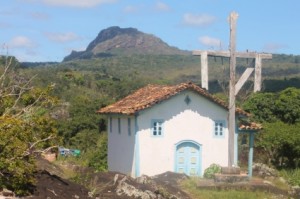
<point x="281" y="144"/>
<point x="262" y="106"/>
<point x="280" y="115"/>
<point x="271" y="107"/>
<point x="288" y="106"/>
<point x="26" y="129"/>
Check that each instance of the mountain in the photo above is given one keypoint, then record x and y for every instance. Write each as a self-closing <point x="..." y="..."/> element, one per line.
<point x="125" y="41"/>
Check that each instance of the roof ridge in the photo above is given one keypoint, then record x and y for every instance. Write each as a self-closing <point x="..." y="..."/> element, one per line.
<point x="152" y="94"/>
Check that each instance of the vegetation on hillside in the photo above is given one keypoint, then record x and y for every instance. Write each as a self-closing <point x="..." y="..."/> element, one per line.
<point x="26" y="128"/>
<point x="66" y="110"/>
<point x="280" y="114"/>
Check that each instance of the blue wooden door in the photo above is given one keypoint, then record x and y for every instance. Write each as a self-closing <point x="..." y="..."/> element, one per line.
<point x="188" y="159"/>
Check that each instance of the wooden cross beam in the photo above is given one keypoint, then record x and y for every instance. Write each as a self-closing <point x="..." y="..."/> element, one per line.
<point x="233" y="86"/>
<point x="248" y="55"/>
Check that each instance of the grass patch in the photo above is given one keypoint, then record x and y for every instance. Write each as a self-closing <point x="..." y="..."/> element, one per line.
<point x="292" y="176"/>
<point x="190" y="186"/>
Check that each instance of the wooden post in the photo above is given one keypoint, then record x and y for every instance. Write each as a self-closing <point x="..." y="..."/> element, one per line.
<point x="257" y="76"/>
<point x="204" y="70"/>
<point x="231" y="125"/>
<point x="243" y="79"/>
<point x="250" y="156"/>
<point x="234" y="87"/>
<point x="258" y="63"/>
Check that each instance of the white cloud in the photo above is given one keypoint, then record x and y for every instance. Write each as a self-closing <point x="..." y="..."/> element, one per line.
<point x="130" y="9"/>
<point x="5" y="25"/>
<point x="210" y="41"/>
<point x="62" y="37"/>
<point x="198" y="20"/>
<point x="273" y="47"/>
<point x="160" y="6"/>
<point x="39" y="16"/>
<point x="21" y="42"/>
<point x="74" y="3"/>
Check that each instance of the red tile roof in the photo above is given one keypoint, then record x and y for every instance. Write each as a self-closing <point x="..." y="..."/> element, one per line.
<point x="153" y="94"/>
<point x="250" y="126"/>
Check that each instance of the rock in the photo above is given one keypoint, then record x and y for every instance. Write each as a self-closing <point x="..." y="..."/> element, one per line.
<point x="230" y="170"/>
<point x="7" y="193"/>
<point x="127" y="41"/>
<point x="143" y="179"/>
<point x="116" y="178"/>
<point x="230" y="178"/>
<point x="126" y="189"/>
<point x="264" y="171"/>
<point x="281" y="179"/>
<point x="267" y="182"/>
<point x="295" y="191"/>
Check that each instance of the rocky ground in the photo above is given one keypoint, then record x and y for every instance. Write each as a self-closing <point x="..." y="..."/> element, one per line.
<point x="96" y="185"/>
<point x="101" y="185"/>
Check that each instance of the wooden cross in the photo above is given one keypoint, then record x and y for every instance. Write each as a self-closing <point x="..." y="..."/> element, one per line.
<point x="234" y="87"/>
<point x="257" y="75"/>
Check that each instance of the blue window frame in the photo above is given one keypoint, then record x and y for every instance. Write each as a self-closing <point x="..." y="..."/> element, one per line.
<point x="129" y="126"/>
<point x="110" y="124"/>
<point x="157" y="128"/>
<point x="119" y="125"/>
<point x="219" y="128"/>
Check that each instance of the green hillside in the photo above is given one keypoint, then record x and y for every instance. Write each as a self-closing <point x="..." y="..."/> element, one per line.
<point x="280" y="72"/>
<point x="72" y="92"/>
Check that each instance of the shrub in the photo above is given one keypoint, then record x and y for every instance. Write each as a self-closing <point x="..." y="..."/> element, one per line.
<point x="211" y="170"/>
<point x="292" y="176"/>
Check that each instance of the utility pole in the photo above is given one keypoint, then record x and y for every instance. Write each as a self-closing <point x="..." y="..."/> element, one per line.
<point x="234" y="87"/>
<point x="231" y="121"/>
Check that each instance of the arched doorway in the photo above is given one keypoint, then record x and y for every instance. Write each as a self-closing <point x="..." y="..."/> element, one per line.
<point x="188" y="158"/>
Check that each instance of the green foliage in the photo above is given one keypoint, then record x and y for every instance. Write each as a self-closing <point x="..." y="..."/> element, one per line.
<point x="25" y="129"/>
<point x="84" y="86"/>
<point x="262" y="107"/>
<point x="16" y="169"/>
<point x="190" y="186"/>
<point x="288" y="105"/>
<point x="82" y="125"/>
<point x="276" y="85"/>
<point x="99" y="160"/>
<point x="280" y="115"/>
<point x="281" y="143"/>
<point x="292" y="176"/>
<point x="211" y="170"/>
<point x="271" y="107"/>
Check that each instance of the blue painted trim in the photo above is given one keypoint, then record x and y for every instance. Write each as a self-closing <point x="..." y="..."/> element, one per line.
<point x="236" y="138"/>
<point x="110" y="124"/>
<point x="223" y="130"/>
<point x="200" y="154"/>
<point x="119" y="125"/>
<point x="136" y="148"/>
<point x="161" y="121"/>
<point x="250" y="160"/>
<point x="175" y="156"/>
<point x="129" y="126"/>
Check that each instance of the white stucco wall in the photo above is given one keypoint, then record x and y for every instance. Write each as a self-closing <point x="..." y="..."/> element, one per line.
<point x="193" y="121"/>
<point x="121" y="145"/>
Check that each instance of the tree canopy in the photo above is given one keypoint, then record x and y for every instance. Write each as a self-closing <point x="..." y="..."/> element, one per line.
<point x="26" y="129"/>
<point x="280" y="115"/>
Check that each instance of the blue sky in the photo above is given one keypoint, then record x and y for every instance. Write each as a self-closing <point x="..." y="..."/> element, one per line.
<point x="47" y="30"/>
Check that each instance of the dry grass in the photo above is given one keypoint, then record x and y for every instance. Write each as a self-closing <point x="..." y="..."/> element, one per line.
<point x="190" y="186"/>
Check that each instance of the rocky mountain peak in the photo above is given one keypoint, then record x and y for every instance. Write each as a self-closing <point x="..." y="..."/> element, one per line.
<point x="110" y="33"/>
<point x="124" y="41"/>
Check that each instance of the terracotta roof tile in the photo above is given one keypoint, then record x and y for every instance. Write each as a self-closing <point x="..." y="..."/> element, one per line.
<point x="153" y="94"/>
<point x="250" y="126"/>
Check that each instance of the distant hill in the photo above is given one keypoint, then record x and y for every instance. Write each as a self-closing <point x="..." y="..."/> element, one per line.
<point x="124" y="41"/>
